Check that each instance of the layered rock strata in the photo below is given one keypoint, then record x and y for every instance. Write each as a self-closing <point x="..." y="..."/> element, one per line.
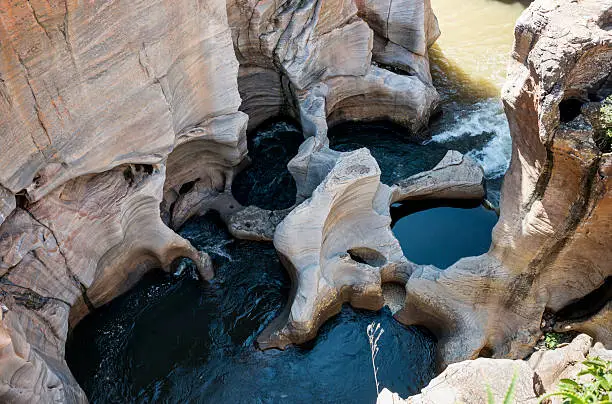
<point x="316" y="60"/>
<point x="551" y="245"/>
<point x="103" y="115"/>
<point x="120" y="121"/>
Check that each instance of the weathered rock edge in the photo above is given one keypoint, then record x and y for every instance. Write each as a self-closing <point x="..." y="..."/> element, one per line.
<point x="550" y="247"/>
<point x="468" y="381"/>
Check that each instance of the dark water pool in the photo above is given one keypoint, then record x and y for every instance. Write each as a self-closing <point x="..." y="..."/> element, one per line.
<point x="175" y="339"/>
<point x="267" y="183"/>
<point x="442" y="234"/>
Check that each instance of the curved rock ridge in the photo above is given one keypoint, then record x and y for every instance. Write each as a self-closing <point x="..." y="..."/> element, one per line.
<point x="97" y="105"/>
<point x="79" y="247"/>
<point x="338" y="245"/>
<point x="119" y="121"/>
<point x="91" y="85"/>
<point x="550" y="246"/>
<point x="317" y="61"/>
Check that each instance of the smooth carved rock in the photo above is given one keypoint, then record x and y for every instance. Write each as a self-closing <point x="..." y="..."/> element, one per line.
<point x="343" y="244"/>
<point x="26" y="375"/>
<point x="597" y="325"/>
<point x="79" y="247"/>
<point x="548" y="247"/>
<point x="455" y="177"/>
<point x="467" y="381"/>
<point x="203" y="165"/>
<point x="7" y="203"/>
<point x="79" y="97"/>
<point x="403" y="31"/>
<point x="338" y="245"/>
<point x="313" y="60"/>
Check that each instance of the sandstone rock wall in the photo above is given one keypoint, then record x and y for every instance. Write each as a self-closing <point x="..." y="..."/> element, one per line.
<point x="317" y="61"/>
<point x="120" y="120"/>
<point x="106" y="109"/>
<point x="551" y="245"/>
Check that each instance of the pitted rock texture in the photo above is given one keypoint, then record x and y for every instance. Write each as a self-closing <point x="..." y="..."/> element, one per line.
<point x="338" y="245"/>
<point x="549" y="247"/>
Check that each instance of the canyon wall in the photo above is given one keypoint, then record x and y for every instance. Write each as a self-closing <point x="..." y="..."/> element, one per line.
<point x="120" y="120"/>
<point x="549" y="265"/>
<point x="550" y="250"/>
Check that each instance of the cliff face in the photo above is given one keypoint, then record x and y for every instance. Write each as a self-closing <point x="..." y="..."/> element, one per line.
<point x="120" y="120"/>
<point x="550" y="247"/>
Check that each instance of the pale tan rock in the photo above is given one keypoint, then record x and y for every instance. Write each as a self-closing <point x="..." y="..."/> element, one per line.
<point x="455" y="177"/>
<point x="79" y="97"/>
<point x="467" y="382"/>
<point x="26" y="376"/>
<point x="7" y="203"/>
<point x="313" y="60"/>
<point x="548" y="247"/>
<point x="403" y="32"/>
<point x="561" y="363"/>
<point x="337" y="226"/>
<point x="338" y="245"/>
<point x="85" y="243"/>
<point x="598" y="325"/>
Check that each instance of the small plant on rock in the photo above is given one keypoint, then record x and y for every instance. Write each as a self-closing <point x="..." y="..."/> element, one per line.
<point x="592" y="385"/>
<point x="374" y="332"/>
<point x="606" y="116"/>
<point x="552" y="340"/>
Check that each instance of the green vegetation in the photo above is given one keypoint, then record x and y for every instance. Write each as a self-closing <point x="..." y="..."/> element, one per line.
<point x="606" y="116"/>
<point x="509" y="397"/>
<point x="592" y="385"/>
<point x="552" y="339"/>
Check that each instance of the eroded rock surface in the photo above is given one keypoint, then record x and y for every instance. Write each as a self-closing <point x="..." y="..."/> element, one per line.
<point x="338" y="245"/>
<point x="313" y="59"/>
<point x="119" y="121"/>
<point x="467" y="381"/>
<point x="76" y="249"/>
<point x="550" y="246"/>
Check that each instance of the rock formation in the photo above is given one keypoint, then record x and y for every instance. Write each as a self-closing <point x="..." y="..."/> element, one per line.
<point x="548" y="251"/>
<point x="119" y="121"/>
<point x="338" y="245"/>
<point x="467" y="382"/>
<point x="549" y="247"/>
<point x="314" y="60"/>
<point x="97" y="106"/>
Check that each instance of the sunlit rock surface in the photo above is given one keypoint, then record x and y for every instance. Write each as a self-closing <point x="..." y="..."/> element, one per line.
<point x="338" y="245"/>
<point x="76" y="249"/>
<point x="314" y="60"/>
<point x="550" y="246"/>
<point x="468" y="381"/>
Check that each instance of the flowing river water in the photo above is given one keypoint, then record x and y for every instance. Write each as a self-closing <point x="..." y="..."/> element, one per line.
<point x="175" y="339"/>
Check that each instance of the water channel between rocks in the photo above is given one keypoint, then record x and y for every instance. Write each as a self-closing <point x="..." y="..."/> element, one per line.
<point x="174" y="338"/>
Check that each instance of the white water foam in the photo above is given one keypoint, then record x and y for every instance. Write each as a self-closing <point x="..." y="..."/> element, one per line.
<point x="486" y="117"/>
